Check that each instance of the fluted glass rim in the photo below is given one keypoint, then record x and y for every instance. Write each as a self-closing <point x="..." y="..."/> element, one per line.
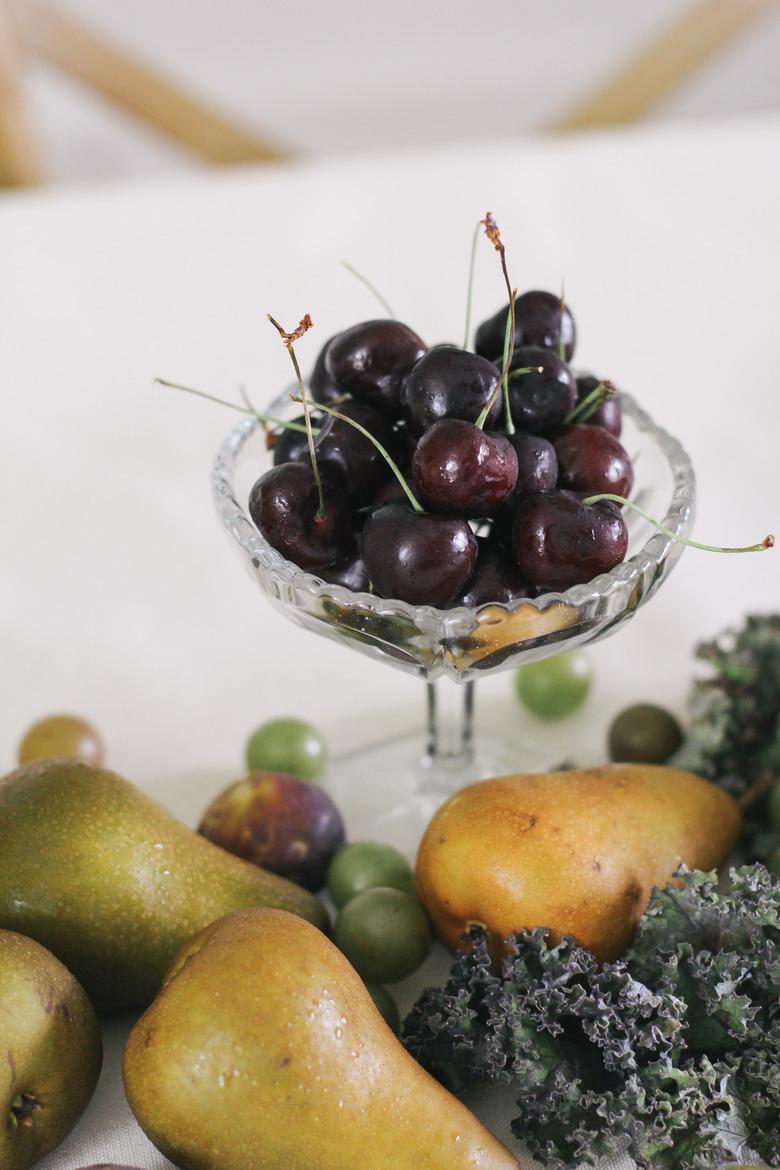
<point x="678" y="519"/>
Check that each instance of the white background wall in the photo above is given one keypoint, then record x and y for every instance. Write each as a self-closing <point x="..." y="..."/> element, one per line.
<point x="343" y="75"/>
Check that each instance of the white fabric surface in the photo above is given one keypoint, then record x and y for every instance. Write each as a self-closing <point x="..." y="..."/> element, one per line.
<point x="119" y="597"/>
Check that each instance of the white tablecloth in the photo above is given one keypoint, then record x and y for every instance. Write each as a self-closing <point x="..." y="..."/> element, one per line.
<point x="119" y="597"/>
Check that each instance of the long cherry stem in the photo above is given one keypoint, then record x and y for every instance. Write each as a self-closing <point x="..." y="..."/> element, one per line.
<point x="248" y="409"/>
<point x="289" y="340"/>
<point x="371" y="288"/>
<point x="767" y="542"/>
<point x="412" y="498"/>
<point x="470" y="290"/>
<point x="590" y="404"/>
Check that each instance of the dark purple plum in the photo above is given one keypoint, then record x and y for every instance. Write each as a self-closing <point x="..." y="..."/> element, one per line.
<point x="496" y="579"/>
<point x="370" y="361"/>
<point x="322" y="388"/>
<point x="284" y="505"/>
<point x="608" y="414"/>
<point x="592" y="460"/>
<point x="540" y="401"/>
<point x="559" y="541"/>
<point x="350" y="456"/>
<point x="421" y="558"/>
<point x="538" y="322"/>
<point x="449" y="383"/>
<point x="460" y="468"/>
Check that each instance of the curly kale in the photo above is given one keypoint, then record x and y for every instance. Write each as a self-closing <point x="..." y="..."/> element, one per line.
<point x="735" y="733"/>
<point x="671" y="1054"/>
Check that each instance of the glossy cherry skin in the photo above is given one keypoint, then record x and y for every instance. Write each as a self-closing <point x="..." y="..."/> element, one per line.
<point x="558" y="541"/>
<point x="459" y="468"/>
<point x="537" y="463"/>
<point x="322" y="388"/>
<point x="608" y="414"/>
<point x="289" y="446"/>
<point x="592" y="460"/>
<point x="350" y="456"/>
<point x="496" y="579"/>
<point x="283" y="504"/>
<point x="370" y="361"/>
<point x="421" y="558"/>
<point x="350" y="572"/>
<point x="538" y="322"/>
<point x="449" y="383"/>
<point x="540" y="402"/>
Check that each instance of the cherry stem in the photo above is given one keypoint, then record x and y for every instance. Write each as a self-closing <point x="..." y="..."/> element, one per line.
<point x="248" y="409"/>
<point x="509" y="334"/>
<point x="470" y="290"/>
<point x="561" y="341"/>
<point x="767" y="542"/>
<point x="496" y="390"/>
<point x="590" y="404"/>
<point x="289" y="340"/>
<point x="371" y="288"/>
<point x="412" y="498"/>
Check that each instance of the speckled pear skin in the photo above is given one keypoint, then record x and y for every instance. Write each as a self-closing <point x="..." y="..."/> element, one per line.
<point x="577" y="852"/>
<point x="50" y="1052"/>
<point x="264" y="1050"/>
<point x="111" y="883"/>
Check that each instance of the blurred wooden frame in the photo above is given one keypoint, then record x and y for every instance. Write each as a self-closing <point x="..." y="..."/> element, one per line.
<point x="701" y="32"/>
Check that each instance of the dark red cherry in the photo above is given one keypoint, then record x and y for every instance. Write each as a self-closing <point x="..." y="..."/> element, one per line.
<point x="537" y="463"/>
<point x="350" y="572"/>
<point x="592" y="460"/>
<point x="538" y="321"/>
<point x="496" y="579"/>
<point x="284" y="503"/>
<point x="459" y="468"/>
<point x="392" y="490"/>
<point x="322" y="388"/>
<point x="370" y="361"/>
<point x="559" y="541"/>
<point x="350" y="456"/>
<point x="608" y="414"/>
<point x="449" y="383"/>
<point x="540" y="402"/>
<point x="422" y="558"/>
<point x="289" y="446"/>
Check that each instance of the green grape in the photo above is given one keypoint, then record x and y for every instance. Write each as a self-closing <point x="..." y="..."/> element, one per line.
<point x="363" y="865"/>
<point x="644" y="734"/>
<point x="384" y="934"/>
<point x="554" y="687"/>
<point x="61" y="735"/>
<point x="287" y="745"/>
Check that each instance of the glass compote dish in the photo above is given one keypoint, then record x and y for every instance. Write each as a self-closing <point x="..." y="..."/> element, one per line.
<point x="391" y="790"/>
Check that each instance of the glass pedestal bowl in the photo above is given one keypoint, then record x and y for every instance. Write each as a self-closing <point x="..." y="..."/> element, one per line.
<point x="391" y="790"/>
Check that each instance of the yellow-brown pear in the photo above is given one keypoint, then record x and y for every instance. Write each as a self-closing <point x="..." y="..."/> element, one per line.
<point x="577" y="852"/>
<point x="264" y="1051"/>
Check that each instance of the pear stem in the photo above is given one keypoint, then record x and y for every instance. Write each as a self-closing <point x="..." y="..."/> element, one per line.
<point x="248" y="409"/>
<point x="470" y="289"/>
<point x="590" y="404"/>
<point x="371" y="288"/>
<point x="412" y="498"/>
<point x="767" y="542"/>
<point x="289" y="340"/>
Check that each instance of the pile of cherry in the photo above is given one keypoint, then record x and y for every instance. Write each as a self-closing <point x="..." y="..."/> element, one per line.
<point x="493" y="511"/>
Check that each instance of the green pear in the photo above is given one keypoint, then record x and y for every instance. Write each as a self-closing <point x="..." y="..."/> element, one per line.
<point x="264" y="1049"/>
<point x="111" y="883"/>
<point x="51" y="1052"/>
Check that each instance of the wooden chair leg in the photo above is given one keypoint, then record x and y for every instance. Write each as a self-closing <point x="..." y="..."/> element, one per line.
<point x="19" y="160"/>
<point x="700" y="34"/>
<point x="137" y="89"/>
